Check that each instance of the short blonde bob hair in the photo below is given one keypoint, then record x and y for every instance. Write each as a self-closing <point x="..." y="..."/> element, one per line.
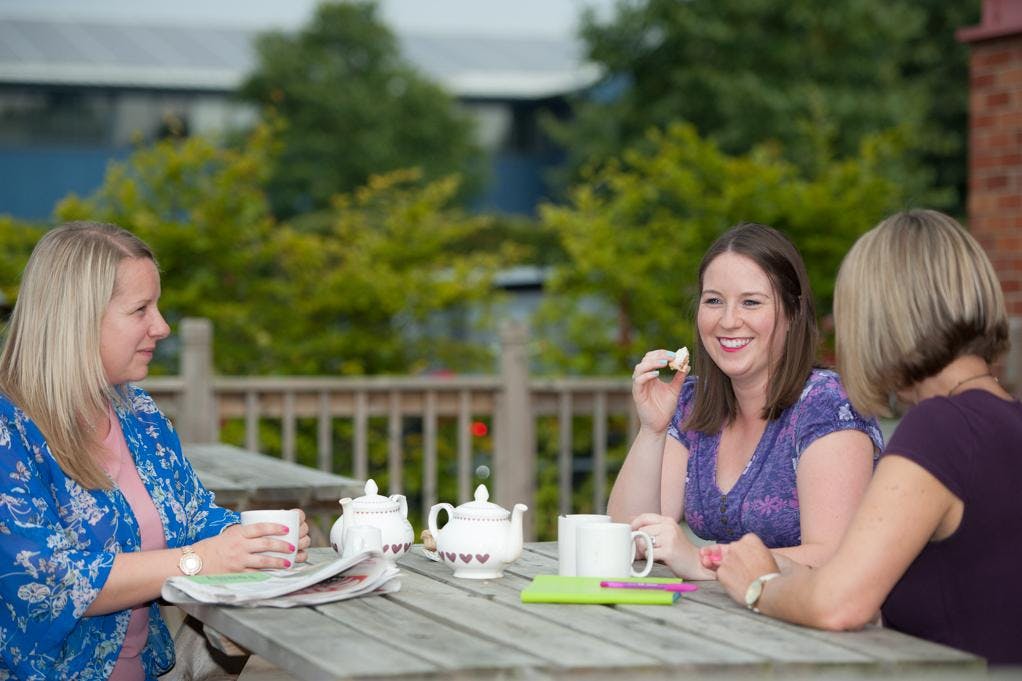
<point x="913" y="294"/>
<point x="51" y="366"/>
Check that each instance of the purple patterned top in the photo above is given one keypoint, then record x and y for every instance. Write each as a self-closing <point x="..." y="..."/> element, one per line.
<point x="764" y="500"/>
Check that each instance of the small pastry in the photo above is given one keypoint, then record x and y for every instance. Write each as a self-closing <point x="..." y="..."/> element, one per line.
<point x="428" y="542"/>
<point x="680" y="361"/>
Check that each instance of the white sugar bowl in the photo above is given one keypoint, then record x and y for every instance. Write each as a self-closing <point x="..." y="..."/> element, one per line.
<point x="480" y="538"/>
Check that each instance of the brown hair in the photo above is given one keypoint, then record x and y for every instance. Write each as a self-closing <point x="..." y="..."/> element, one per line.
<point x="715" y="404"/>
<point x="913" y="294"/>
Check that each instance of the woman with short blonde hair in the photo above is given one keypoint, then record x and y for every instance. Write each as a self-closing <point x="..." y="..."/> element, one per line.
<point x="934" y="547"/>
<point x="930" y="294"/>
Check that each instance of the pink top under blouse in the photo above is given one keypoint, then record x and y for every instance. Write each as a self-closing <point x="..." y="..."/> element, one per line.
<point x="121" y="467"/>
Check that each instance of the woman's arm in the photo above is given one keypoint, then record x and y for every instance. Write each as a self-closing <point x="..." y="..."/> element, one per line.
<point x="832" y="477"/>
<point x="904" y="508"/>
<point x="646" y="482"/>
<point x="651" y="479"/>
<point x="673" y="548"/>
<point x="138" y="577"/>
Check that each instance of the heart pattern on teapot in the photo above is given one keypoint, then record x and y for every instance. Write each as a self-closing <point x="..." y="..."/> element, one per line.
<point x="452" y="557"/>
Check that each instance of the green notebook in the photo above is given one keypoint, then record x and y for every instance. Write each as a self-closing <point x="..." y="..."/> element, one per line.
<point x="558" y="589"/>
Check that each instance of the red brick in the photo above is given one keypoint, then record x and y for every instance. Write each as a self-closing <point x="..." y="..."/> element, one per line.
<point x="1011" y="202"/>
<point x="998" y="99"/>
<point x="990" y="56"/>
<point x="996" y="181"/>
<point x="979" y="120"/>
<point x="982" y="81"/>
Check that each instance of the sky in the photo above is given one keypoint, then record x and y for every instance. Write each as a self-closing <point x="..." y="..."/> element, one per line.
<point x="481" y="17"/>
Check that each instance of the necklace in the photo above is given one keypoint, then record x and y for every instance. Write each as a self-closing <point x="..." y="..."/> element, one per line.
<point x="959" y="384"/>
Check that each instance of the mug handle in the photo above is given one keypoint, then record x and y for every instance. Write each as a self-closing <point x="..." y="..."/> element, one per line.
<point x="649" y="553"/>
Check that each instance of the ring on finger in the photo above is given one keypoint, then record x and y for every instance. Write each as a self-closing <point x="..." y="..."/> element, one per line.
<point x="653" y="541"/>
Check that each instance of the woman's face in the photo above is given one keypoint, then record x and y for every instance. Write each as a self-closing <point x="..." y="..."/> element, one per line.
<point x="132" y="324"/>
<point x="740" y="321"/>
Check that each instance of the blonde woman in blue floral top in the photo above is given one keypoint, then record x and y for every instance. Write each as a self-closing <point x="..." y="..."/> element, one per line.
<point x="98" y="506"/>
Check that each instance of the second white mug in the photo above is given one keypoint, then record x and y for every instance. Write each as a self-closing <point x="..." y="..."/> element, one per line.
<point x="567" y="528"/>
<point x="608" y="550"/>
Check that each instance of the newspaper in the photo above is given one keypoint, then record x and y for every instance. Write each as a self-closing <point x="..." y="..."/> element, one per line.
<point x="334" y="580"/>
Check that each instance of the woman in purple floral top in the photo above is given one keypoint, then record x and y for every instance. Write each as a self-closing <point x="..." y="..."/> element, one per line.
<point x="761" y="442"/>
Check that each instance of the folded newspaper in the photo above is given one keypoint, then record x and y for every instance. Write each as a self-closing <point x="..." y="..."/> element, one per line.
<point x="335" y="580"/>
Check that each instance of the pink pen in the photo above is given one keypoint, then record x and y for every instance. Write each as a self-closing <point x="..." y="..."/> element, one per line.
<point x="669" y="586"/>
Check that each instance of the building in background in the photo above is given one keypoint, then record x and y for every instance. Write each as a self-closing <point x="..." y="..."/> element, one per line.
<point x="995" y="157"/>
<point x="76" y="93"/>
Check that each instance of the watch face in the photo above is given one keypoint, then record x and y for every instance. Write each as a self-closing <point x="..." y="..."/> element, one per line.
<point x="190" y="564"/>
<point x="753" y="592"/>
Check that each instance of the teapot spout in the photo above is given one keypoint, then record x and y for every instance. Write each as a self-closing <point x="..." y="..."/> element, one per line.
<point x="514" y="537"/>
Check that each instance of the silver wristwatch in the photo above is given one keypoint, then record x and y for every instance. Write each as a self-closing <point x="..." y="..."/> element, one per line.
<point x="755" y="590"/>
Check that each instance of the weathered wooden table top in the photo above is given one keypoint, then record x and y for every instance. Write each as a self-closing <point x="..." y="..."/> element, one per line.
<point x="242" y="479"/>
<point x="439" y="627"/>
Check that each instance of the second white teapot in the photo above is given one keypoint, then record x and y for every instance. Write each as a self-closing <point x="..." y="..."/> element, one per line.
<point x="480" y="537"/>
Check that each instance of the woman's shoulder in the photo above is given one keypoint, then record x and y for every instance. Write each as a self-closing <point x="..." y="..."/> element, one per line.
<point x="140" y="401"/>
<point x="822" y="385"/>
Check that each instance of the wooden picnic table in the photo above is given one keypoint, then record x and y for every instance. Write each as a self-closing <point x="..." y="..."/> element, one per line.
<point x="245" y="480"/>
<point x="439" y="627"/>
<point x="241" y="479"/>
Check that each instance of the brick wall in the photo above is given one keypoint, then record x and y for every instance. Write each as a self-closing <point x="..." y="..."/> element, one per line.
<point x="995" y="155"/>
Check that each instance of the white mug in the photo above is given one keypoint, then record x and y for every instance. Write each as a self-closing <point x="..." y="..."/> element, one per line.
<point x="359" y="538"/>
<point x="288" y="517"/>
<point x="567" y="531"/>
<point x="608" y="550"/>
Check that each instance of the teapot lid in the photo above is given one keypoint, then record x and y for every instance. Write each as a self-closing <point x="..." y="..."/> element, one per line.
<point x="481" y="508"/>
<point x="373" y="501"/>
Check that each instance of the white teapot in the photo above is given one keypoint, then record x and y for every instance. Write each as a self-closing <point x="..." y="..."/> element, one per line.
<point x="390" y="514"/>
<point x="480" y="537"/>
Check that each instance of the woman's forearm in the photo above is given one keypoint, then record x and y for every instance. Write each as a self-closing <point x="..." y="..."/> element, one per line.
<point x="812" y="554"/>
<point x="136" y="578"/>
<point x="637" y="487"/>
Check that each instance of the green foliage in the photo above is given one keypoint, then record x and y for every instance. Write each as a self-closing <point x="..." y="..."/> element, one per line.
<point x="203" y="211"/>
<point x="803" y="74"/>
<point x="354" y="295"/>
<point x="371" y="287"/>
<point x="635" y="231"/>
<point x="17" y="239"/>
<point x="353" y="108"/>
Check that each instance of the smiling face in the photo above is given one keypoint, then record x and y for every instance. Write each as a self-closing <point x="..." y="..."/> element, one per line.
<point x="740" y="321"/>
<point x="132" y="323"/>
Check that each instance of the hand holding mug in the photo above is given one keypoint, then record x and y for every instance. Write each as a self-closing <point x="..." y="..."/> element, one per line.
<point x="251" y="546"/>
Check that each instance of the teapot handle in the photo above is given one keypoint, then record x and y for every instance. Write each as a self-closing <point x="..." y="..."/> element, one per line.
<point x="402" y="502"/>
<point x="434" y="512"/>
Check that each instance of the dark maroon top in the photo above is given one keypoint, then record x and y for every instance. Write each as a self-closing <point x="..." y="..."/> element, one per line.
<point x="966" y="591"/>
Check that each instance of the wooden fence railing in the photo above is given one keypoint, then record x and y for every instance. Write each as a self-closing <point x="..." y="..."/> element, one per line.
<point x="199" y="401"/>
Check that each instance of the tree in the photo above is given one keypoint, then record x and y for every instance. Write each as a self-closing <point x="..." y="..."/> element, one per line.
<point x="635" y="230"/>
<point x="803" y="74"/>
<point x="352" y="107"/>
<point x="357" y="295"/>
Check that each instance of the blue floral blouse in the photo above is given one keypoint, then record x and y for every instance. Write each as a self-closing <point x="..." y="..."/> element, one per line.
<point x="58" y="542"/>
<point x="764" y="499"/>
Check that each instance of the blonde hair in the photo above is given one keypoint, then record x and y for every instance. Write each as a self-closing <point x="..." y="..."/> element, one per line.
<point x="51" y="366"/>
<point x="912" y="295"/>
